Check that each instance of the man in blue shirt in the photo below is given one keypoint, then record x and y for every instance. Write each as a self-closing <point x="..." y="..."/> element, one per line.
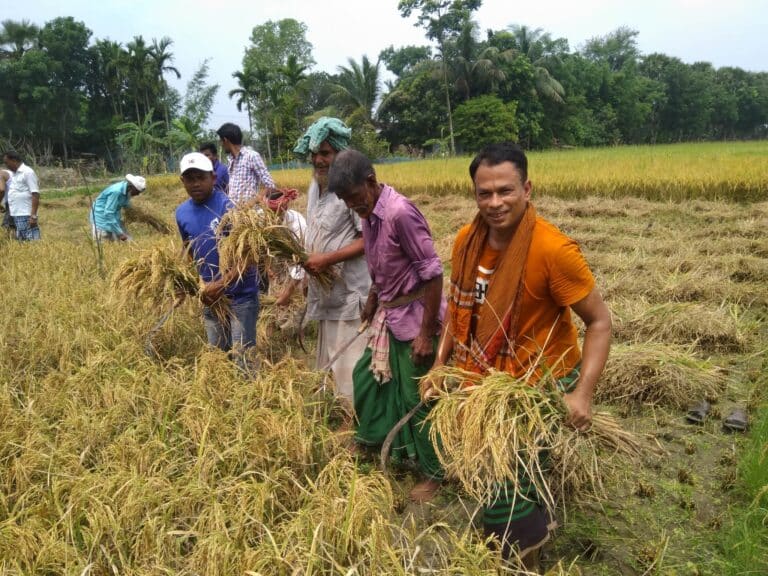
<point x="198" y="219"/>
<point x="222" y="174"/>
<point x="106" y="220"/>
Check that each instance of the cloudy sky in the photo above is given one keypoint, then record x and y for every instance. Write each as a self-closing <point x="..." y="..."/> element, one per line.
<point x="723" y="32"/>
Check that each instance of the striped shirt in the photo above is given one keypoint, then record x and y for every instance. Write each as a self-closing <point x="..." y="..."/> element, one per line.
<point x="246" y="172"/>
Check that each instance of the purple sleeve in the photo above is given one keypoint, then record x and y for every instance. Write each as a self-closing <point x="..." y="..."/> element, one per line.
<point x="416" y="241"/>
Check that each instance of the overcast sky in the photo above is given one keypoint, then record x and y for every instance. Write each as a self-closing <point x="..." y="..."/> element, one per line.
<point x="722" y="32"/>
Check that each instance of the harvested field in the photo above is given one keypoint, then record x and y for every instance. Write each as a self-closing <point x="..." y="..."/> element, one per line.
<point x="114" y="461"/>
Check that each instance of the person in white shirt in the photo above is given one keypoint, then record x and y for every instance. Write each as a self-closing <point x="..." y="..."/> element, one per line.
<point x="23" y="197"/>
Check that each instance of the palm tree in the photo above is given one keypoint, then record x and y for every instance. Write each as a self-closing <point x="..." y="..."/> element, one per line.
<point x="139" y="60"/>
<point x="538" y="48"/>
<point x="161" y="58"/>
<point x="244" y="94"/>
<point x="16" y="38"/>
<point x="357" y="88"/>
<point x="294" y="75"/>
<point x="473" y="72"/>
<point x="113" y="60"/>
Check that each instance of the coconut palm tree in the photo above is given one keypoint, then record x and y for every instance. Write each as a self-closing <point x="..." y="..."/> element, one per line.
<point x="357" y="88"/>
<point x="538" y="47"/>
<point x="16" y="38"/>
<point x="472" y="72"/>
<point x="161" y="58"/>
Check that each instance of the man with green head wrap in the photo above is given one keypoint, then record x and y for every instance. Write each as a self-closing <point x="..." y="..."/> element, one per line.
<point x="333" y="239"/>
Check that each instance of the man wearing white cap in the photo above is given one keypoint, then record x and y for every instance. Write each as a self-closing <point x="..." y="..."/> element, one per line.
<point x="106" y="220"/>
<point x="198" y="219"/>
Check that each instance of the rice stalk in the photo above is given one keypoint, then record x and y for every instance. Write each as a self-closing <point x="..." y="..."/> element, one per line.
<point x="581" y="463"/>
<point x="249" y="237"/>
<point x="497" y="430"/>
<point x="135" y="214"/>
<point x="710" y="328"/>
<point x="158" y="276"/>
<point x="655" y="373"/>
<point x="492" y="430"/>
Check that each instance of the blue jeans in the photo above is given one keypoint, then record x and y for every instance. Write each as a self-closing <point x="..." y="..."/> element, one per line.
<point x="234" y="334"/>
<point x="23" y="230"/>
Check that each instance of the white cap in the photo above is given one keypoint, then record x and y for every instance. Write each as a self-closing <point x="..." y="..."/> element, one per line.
<point x="137" y="182"/>
<point x="197" y="161"/>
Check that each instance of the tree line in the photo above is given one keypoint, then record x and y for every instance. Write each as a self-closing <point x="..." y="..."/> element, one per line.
<point x="64" y="95"/>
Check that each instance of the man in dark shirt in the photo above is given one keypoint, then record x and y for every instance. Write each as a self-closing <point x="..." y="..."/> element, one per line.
<point x="222" y="174"/>
<point x="198" y="219"/>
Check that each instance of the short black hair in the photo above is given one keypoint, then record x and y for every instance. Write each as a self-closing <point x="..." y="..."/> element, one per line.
<point x="231" y="132"/>
<point x="13" y="155"/>
<point x="350" y="168"/>
<point x="495" y="154"/>
<point x="210" y="146"/>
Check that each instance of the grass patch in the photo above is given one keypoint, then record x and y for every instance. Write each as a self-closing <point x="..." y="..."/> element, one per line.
<point x="745" y="543"/>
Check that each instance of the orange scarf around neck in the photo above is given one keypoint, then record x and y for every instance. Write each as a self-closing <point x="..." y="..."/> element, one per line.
<point x="496" y="327"/>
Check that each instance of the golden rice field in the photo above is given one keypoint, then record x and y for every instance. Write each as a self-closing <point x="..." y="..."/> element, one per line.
<point x="115" y="462"/>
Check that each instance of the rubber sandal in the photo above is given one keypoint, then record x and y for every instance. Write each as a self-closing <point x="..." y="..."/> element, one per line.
<point x="697" y="413"/>
<point x="736" y="421"/>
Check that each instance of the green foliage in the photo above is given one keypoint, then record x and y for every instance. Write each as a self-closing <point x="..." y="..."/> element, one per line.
<point x="402" y="60"/>
<point x="198" y="100"/>
<point x="745" y="544"/>
<point x="414" y="110"/>
<point x="65" y="93"/>
<point x="273" y="42"/>
<point x="273" y="83"/>
<point x="356" y="88"/>
<point x="482" y="120"/>
<point x="366" y="139"/>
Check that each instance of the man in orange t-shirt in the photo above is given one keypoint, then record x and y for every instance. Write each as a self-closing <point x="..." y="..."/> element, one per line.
<point x="515" y="280"/>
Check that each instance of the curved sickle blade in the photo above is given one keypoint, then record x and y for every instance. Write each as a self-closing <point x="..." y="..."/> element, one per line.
<point x="387" y="445"/>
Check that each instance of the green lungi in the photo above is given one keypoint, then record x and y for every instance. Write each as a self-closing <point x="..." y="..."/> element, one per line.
<point x="379" y="407"/>
<point x="518" y="517"/>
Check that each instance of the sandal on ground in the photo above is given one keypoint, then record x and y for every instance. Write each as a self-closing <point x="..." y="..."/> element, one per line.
<point x="736" y="421"/>
<point x="697" y="413"/>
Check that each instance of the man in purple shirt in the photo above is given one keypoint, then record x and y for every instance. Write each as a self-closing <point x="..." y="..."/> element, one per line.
<point x="209" y="150"/>
<point x="406" y="308"/>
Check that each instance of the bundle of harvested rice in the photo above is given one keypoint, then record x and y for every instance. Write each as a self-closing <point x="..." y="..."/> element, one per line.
<point x="134" y="214"/>
<point x="496" y="428"/>
<point x="492" y="430"/>
<point x="250" y="236"/>
<point x="580" y="464"/>
<point x="657" y="373"/>
<point x="156" y="275"/>
<point x="709" y="327"/>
